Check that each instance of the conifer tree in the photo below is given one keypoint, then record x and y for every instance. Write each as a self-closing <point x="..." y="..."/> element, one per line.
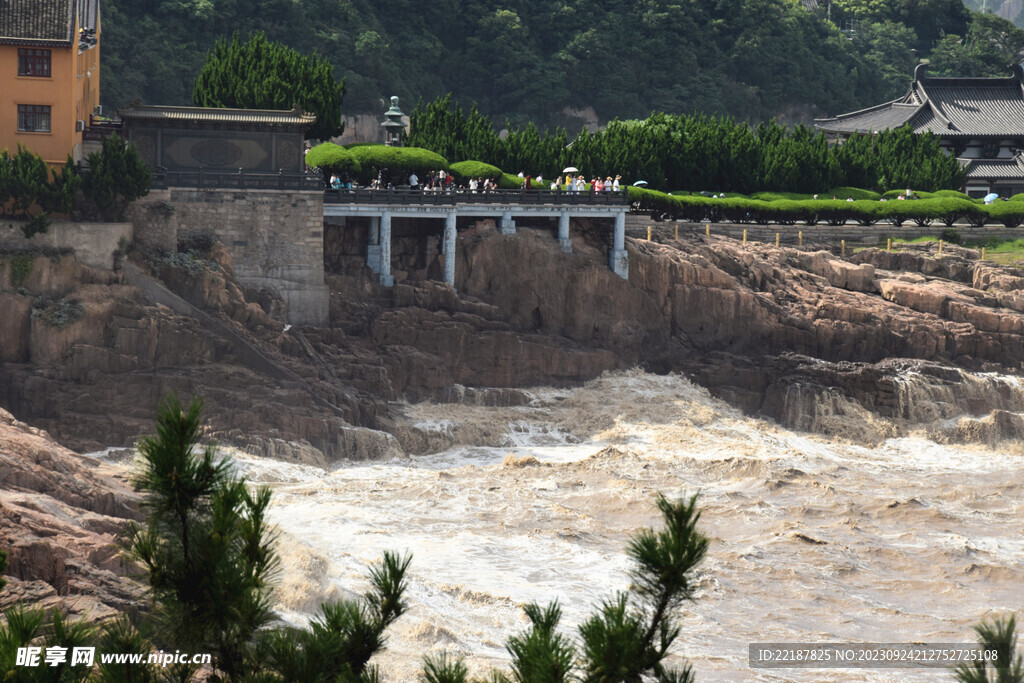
<point x="260" y="74"/>
<point x="208" y="555"/>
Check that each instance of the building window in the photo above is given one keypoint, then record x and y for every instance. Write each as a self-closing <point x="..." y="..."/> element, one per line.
<point x="34" y="63"/>
<point x="34" y="118"/>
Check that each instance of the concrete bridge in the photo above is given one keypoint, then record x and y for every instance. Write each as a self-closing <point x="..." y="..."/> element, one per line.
<point x="381" y="206"/>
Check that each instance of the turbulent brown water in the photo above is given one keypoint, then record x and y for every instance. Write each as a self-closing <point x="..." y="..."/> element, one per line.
<point x="812" y="538"/>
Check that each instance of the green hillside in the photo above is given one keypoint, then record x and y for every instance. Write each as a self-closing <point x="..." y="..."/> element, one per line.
<point x="751" y="59"/>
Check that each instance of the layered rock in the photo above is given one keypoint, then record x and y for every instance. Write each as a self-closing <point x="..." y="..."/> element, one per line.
<point x="60" y="516"/>
<point x="523" y="313"/>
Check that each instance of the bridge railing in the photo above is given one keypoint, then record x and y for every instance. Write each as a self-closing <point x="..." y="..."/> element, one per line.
<point x="240" y="179"/>
<point x="406" y="197"/>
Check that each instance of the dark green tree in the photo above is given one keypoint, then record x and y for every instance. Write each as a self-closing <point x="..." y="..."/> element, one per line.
<point x="59" y="195"/>
<point x="992" y="47"/>
<point x="208" y="556"/>
<point x="26" y="177"/>
<point x="205" y="546"/>
<point x="117" y="176"/>
<point x="261" y="74"/>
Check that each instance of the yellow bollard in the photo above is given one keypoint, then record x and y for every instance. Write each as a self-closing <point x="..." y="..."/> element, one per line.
<point x="707" y="230"/>
<point x="888" y="244"/>
<point x="800" y="238"/>
<point x="983" y="253"/>
<point x="744" y="235"/>
<point x="648" y="233"/>
<point x="677" y="231"/>
<point x="842" y="247"/>
<point x="940" y="246"/>
<point x="776" y="240"/>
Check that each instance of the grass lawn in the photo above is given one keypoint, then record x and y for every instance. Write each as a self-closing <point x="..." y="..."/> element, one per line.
<point x="1003" y="252"/>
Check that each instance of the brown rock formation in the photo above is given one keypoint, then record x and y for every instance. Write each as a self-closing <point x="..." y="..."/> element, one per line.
<point x="738" y="318"/>
<point x="60" y="514"/>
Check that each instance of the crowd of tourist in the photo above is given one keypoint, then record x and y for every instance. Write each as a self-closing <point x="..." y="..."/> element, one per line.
<point x="443" y="181"/>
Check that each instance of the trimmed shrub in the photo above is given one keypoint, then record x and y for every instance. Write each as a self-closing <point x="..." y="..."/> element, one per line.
<point x="954" y="194"/>
<point x="948" y="210"/>
<point x="332" y="158"/>
<point x="1010" y="214"/>
<point x="780" y="196"/>
<point x="464" y="170"/>
<point x="976" y="214"/>
<point x="396" y="160"/>
<point x="895" y="194"/>
<point x="507" y="181"/>
<point x="841" y="193"/>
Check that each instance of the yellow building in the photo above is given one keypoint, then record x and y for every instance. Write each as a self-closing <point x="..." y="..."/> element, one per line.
<point x="49" y="75"/>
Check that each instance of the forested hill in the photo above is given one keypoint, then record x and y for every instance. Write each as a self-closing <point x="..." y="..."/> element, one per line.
<point x="534" y="59"/>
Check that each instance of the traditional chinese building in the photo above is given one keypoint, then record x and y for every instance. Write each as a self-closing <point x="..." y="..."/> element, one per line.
<point x="49" y="75"/>
<point x="192" y="138"/>
<point x="979" y="120"/>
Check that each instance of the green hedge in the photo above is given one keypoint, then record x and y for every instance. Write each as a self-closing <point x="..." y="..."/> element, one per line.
<point x="374" y="158"/>
<point x="332" y="158"/>
<point x="936" y="210"/>
<point x="507" y="181"/>
<point x="464" y="170"/>
<point x="841" y="193"/>
<point x="954" y="194"/>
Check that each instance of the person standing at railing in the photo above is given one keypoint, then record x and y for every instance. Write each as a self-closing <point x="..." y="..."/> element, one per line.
<point x="414" y="181"/>
<point x="615" y="183"/>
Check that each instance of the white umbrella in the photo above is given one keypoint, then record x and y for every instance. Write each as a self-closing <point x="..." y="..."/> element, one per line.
<point x="990" y="197"/>
<point x="570" y="169"/>
<point x="639" y="183"/>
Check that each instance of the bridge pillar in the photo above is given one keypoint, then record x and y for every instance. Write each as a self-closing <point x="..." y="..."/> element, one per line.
<point x="563" y="232"/>
<point x="385" y="250"/>
<point x="373" y="245"/>
<point x="506" y="225"/>
<point x="449" y="248"/>
<point x="619" y="257"/>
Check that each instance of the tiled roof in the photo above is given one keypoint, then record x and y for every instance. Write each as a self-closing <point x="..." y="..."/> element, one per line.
<point x="986" y="106"/>
<point x="215" y="115"/>
<point x="949" y="107"/>
<point x="880" y="117"/>
<point x="995" y="169"/>
<point x="37" y="22"/>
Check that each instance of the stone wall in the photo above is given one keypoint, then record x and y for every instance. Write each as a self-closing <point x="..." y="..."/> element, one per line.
<point x="94" y="244"/>
<point x="275" y="238"/>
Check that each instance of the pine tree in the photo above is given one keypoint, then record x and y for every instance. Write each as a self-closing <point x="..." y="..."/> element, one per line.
<point x="208" y="554"/>
<point x="260" y="74"/>
<point x="205" y="546"/>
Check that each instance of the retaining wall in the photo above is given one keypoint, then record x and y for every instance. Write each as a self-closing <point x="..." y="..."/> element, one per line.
<point x="275" y="238"/>
<point x="94" y="244"/>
